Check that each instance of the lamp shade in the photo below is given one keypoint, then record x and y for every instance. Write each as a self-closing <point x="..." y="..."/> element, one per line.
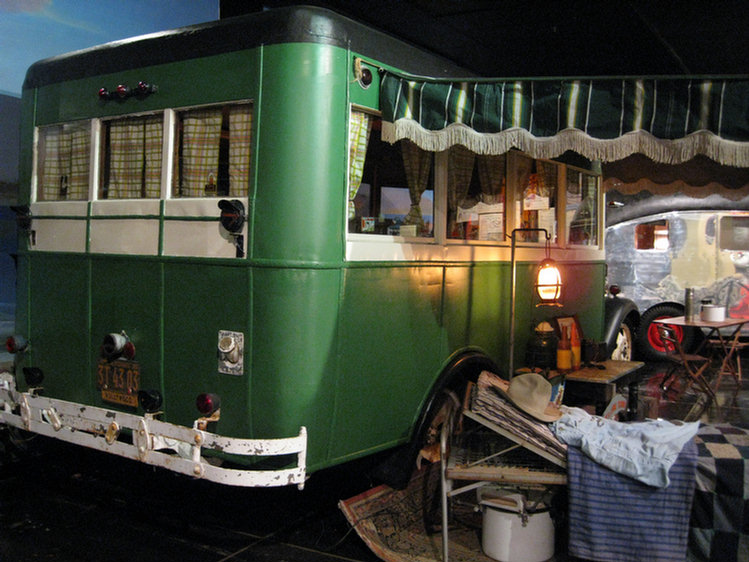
<point x="548" y="282"/>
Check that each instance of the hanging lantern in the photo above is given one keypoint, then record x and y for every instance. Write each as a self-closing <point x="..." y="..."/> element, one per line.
<point x="549" y="282"/>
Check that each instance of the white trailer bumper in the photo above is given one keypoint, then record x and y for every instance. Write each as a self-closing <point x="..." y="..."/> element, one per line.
<point x="153" y="441"/>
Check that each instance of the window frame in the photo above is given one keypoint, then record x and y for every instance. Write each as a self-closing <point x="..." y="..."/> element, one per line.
<point x="97" y="154"/>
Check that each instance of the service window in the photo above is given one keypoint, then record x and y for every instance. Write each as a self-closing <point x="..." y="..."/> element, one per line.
<point x="390" y="186"/>
<point x="212" y="151"/>
<point x="652" y="235"/>
<point x="475" y="195"/>
<point x="734" y="233"/>
<point x="582" y="208"/>
<point x="535" y="188"/>
<point x="63" y="162"/>
<point x="131" y="157"/>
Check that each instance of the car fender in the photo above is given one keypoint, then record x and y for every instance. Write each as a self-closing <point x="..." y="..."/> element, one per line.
<point x="616" y="310"/>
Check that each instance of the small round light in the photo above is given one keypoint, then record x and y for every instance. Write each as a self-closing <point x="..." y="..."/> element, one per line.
<point x="104" y="94"/>
<point x="614" y="290"/>
<point x="128" y="351"/>
<point x="150" y="400"/>
<point x="113" y="345"/>
<point x="207" y="403"/>
<point x="16" y="344"/>
<point x="123" y="91"/>
<point x="33" y="376"/>
<point x="366" y="77"/>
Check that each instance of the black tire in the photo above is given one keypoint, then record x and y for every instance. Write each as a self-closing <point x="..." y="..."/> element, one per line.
<point x="649" y="345"/>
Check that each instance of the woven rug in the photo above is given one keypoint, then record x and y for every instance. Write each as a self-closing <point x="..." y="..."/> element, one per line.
<point x="393" y="523"/>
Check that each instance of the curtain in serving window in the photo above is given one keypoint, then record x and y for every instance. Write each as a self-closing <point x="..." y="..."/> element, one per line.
<point x="135" y="158"/>
<point x="360" y="126"/>
<point x="491" y="178"/>
<point x="65" y="167"/>
<point x="459" y="170"/>
<point x="418" y="164"/>
<point x="201" y="135"/>
<point x="240" y="124"/>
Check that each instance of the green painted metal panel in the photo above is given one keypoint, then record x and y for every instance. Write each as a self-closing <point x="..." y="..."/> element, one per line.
<point x="301" y="155"/>
<point x="185" y="83"/>
<point x="391" y="344"/>
<point x="58" y="316"/>
<point x="126" y="296"/>
<point x="200" y="300"/>
<point x="295" y="354"/>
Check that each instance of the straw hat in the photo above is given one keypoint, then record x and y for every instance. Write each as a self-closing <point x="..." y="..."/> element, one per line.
<point x="531" y="393"/>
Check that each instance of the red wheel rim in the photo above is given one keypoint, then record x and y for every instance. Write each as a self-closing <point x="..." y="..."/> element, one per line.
<point x="654" y="338"/>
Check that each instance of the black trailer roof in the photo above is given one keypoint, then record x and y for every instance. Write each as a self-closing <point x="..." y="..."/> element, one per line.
<point x="298" y="24"/>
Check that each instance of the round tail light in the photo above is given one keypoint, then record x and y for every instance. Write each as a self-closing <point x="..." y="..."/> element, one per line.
<point x="16" y="344"/>
<point x="207" y="403"/>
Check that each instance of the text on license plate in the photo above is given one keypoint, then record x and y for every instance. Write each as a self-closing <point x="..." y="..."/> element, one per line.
<point x="118" y="381"/>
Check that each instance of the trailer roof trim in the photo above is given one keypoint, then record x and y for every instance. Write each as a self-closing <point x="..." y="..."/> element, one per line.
<point x="305" y="24"/>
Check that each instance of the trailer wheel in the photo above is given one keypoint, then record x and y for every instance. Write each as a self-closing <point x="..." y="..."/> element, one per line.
<point x="649" y="343"/>
<point x="624" y="347"/>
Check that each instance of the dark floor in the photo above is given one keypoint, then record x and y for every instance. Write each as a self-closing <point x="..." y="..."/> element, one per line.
<point x="69" y="504"/>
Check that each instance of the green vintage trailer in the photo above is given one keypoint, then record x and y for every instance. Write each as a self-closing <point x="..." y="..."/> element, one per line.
<point x="225" y="213"/>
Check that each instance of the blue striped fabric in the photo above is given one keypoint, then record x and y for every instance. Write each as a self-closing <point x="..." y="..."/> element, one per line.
<point x="614" y="518"/>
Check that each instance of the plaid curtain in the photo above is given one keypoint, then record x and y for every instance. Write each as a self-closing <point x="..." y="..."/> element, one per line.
<point x="65" y="166"/>
<point x="135" y="157"/>
<point x="492" y="178"/>
<point x="459" y="172"/>
<point x="201" y="135"/>
<point x="360" y="125"/>
<point x="418" y="164"/>
<point x="240" y="124"/>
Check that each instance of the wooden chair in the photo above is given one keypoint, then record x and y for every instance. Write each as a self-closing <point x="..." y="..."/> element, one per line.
<point x="689" y="366"/>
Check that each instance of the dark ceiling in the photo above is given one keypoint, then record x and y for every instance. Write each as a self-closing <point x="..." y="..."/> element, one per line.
<point x="524" y="38"/>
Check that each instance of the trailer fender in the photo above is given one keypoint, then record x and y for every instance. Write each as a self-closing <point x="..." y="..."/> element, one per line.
<point x="462" y="367"/>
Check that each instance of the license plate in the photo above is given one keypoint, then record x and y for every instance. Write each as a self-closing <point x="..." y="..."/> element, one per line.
<point x="118" y="381"/>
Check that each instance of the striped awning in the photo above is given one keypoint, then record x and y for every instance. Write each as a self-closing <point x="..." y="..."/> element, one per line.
<point x="670" y="120"/>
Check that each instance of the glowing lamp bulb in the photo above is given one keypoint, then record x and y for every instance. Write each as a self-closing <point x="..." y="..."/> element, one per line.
<point x="549" y="282"/>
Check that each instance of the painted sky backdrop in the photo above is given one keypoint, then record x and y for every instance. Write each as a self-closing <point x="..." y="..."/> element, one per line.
<point x="31" y="30"/>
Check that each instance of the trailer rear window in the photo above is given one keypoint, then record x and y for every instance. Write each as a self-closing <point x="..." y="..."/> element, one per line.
<point x="131" y="164"/>
<point x="64" y="162"/>
<point x="212" y="152"/>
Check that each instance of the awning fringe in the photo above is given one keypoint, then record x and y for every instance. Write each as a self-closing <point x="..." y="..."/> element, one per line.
<point x="726" y="152"/>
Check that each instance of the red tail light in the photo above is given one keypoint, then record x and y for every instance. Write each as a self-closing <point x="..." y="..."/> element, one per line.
<point x="208" y="403"/>
<point x="16" y="344"/>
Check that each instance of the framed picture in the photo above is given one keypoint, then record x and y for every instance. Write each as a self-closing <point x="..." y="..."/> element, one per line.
<point x="566" y="322"/>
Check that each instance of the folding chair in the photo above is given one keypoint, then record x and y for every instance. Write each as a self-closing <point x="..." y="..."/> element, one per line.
<point x="728" y="352"/>
<point x="690" y="366"/>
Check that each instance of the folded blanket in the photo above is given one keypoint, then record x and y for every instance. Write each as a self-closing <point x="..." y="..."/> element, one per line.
<point x="614" y="518"/>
